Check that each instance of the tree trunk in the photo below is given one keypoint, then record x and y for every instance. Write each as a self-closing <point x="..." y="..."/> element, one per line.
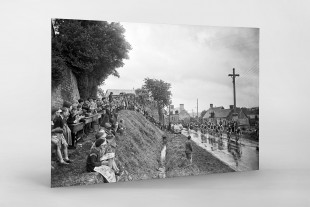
<point x="160" y="112"/>
<point x="87" y="87"/>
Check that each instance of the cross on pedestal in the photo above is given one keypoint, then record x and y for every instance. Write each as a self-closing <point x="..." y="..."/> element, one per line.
<point x="234" y="83"/>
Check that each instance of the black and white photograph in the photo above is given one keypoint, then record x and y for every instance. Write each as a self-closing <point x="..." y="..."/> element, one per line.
<point x="136" y="101"/>
<point x="153" y="103"/>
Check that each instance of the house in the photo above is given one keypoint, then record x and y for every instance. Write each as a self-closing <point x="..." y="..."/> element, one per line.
<point x="118" y="92"/>
<point x="240" y="117"/>
<point x="220" y="114"/>
<point x="216" y="114"/>
<point x="253" y="115"/>
<point x="183" y="114"/>
<point x="177" y="115"/>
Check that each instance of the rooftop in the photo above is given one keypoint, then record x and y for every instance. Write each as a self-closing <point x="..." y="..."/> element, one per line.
<point x="117" y="92"/>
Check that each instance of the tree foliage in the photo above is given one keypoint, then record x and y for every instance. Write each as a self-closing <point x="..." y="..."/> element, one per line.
<point x="100" y="92"/>
<point x="160" y="91"/>
<point x="58" y="64"/>
<point x="143" y="95"/>
<point x="92" y="49"/>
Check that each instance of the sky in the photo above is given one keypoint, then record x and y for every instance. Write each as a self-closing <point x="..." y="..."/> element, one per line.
<point x="196" y="60"/>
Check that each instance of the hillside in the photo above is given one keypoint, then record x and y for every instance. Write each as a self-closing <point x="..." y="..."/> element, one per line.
<point x="138" y="154"/>
<point x="140" y="146"/>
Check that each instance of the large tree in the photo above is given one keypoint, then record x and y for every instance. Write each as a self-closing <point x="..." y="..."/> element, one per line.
<point x="160" y="91"/>
<point x="93" y="50"/>
<point x="143" y="95"/>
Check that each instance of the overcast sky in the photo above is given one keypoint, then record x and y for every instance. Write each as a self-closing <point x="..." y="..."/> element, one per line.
<point x="196" y="60"/>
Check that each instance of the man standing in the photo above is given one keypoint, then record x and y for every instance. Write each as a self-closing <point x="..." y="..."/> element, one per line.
<point x="111" y="97"/>
<point x="188" y="149"/>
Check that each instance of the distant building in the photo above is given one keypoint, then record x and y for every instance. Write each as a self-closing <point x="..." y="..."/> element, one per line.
<point x="174" y="118"/>
<point x="220" y="114"/>
<point x="253" y="115"/>
<point x="177" y="115"/>
<point x="183" y="114"/>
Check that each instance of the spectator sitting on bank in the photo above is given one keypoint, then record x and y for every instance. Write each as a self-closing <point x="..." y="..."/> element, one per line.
<point x="104" y="118"/>
<point x="121" y="126"/>
<point x="188" y="149"/>
<point x="98" y="157"/>
<point x="81" y="102"/>
<point x="99" y="105"/>
<point x="113" y="119"/>
<point x="79" y="111"/>
<point x="108" y="129"/>
<point x="58" y="139"/>
<point x="104" y="101"/>
<point x="92" y="105"/>
<point x="115" y="127"/>
<point x="86" y="106"/>
<point x="74" y="117"/>
<point x="93" y="159"/>
<point x="101" y="134"/>
<point x="112" y="149"/>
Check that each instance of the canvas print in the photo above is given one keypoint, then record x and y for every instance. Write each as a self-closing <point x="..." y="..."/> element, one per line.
<point x="136" y="101"/>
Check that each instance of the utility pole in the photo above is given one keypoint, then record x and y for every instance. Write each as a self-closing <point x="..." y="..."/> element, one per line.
<point x="197" y="111"/>
<point x="234" y="84"/>
<point x="169" y="112"/>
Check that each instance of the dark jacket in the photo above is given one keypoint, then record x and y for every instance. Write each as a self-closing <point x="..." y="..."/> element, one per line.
<point x="59" y="122"/>
<point x="93" y="160"/>
<point x="188" y="146"/>
<point x="71" y="119"/>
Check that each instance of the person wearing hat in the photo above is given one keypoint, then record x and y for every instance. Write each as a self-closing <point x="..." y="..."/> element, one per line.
<point x="93" y="159"/>
<point x="56" y="118"/>
<point x="188" y="149"/>
<point x="94" y="163"/>
<point x="100" y="135"/>
<point x="108" y="129"/>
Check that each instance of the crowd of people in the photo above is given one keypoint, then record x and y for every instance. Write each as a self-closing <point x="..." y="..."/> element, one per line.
<point x="102" y="152"/>
<point x="231" y="128"/>
<point x="101" y="157"/>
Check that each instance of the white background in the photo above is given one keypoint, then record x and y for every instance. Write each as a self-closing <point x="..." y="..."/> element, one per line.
<point x="284" y="176"/>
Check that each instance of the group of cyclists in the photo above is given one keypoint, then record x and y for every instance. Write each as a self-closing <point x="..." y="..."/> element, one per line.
<point x="230" y="128"/>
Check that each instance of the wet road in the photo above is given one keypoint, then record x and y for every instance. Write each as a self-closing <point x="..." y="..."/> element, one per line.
<point x="241" y="156"/>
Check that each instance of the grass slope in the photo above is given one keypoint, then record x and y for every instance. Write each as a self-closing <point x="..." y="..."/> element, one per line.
<point x="139" y="147"/>
<point x="138" y="154"/>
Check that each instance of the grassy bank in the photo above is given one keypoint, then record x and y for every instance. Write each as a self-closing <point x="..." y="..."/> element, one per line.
<point x="137" y="154"/>
<point x="139" y="148"/>
<point x="203" y="161"/>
